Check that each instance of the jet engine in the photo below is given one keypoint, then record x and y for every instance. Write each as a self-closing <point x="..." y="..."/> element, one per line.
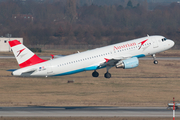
<point x="128" y="63"/>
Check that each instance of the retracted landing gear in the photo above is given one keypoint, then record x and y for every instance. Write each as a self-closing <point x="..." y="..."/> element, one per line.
<point x="95" y="74"/>
<point x="154" y="57"/>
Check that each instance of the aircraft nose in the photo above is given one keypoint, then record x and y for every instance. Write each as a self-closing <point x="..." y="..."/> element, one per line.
<point x="171" y="43"/>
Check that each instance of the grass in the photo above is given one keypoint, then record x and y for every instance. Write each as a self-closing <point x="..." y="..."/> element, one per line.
<point x="146" y="85"/>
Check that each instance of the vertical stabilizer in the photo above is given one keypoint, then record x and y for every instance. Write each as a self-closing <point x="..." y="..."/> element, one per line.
<point x="23" y="55"/>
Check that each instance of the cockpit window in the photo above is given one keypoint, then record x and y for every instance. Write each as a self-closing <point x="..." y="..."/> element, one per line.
<point x="164" y="39"/>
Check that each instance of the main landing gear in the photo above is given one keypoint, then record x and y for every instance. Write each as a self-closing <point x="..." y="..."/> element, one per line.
<point x="154" y="57"/>
<point x="95" y="74"/>
<point x="106" y="75"/>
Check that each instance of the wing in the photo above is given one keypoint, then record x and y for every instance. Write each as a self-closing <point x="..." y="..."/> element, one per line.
<point x="56" y="56"/>
<point x="113" y="61"/>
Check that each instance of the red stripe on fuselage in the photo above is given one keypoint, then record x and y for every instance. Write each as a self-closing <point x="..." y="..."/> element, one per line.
<point x="32" y="61"/>
<point x="14" y="43"/>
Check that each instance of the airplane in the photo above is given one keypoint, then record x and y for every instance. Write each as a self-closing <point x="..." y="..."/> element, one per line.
<point x="121" y="55"/>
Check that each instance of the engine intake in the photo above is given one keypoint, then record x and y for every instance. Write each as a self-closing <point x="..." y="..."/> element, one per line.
<point x="128" y="63"/>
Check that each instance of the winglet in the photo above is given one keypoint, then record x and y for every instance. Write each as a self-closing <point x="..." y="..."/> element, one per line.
<point x="106" y="59"/>
<point x="52" y="56"/>
<point x="23" y="55"/>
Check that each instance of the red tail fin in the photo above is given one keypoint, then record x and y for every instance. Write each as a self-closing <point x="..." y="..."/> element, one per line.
<point x="23" y="55"/>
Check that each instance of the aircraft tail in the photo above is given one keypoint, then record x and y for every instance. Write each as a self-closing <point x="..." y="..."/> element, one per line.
<point x="23" y="55"/>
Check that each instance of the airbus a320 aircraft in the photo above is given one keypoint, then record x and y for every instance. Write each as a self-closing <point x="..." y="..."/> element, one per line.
<point x="121" y="55"/>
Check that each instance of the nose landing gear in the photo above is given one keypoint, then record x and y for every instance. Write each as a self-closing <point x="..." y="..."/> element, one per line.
<point x="154" y="57"/>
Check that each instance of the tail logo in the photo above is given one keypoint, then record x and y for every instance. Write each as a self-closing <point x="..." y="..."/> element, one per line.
<point x="142" y="43"/>
<point x="20" y="51"/>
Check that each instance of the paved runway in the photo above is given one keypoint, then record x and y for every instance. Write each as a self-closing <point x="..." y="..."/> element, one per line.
<point x="42" y="111"/>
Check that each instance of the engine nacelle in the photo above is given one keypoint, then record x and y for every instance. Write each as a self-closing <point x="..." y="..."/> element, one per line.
<point x="128" y="63"/>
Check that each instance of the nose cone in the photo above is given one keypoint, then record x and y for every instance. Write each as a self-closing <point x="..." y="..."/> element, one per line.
<point x="171" y="43"/>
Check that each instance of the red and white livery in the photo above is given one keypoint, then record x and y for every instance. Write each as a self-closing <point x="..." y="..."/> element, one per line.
<point x="121" y="55"/>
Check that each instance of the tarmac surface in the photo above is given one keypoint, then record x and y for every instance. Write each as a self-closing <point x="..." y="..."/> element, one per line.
<point x="52" y="111"/>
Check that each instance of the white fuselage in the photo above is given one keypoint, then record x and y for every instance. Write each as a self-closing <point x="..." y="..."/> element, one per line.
<point x="92" y="59"/>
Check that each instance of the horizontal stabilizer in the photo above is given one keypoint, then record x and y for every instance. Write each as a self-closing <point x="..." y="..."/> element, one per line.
<point x="29" y="71"/>
<point x="12" y="70"/>
<point x="58" y="56"/>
